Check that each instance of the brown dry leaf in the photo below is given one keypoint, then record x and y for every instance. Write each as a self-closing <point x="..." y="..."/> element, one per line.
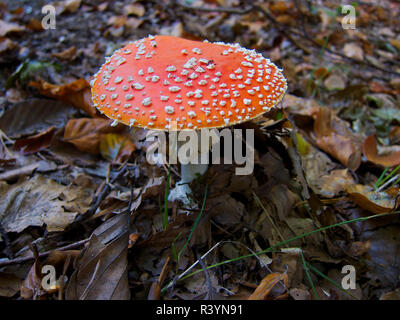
<point x="267" y="284"/>
<point x="35" y="143"/>
<point x="116" y="147"/>
<point x="352" y="50"/>
<point x="335" y="182"/>
<point x="68" y="54"/>
<point x="68" y="6"/>
<point x="368" y="199"/>
<point x="31" y="288"/>
<point x="370" y="149"/>
<point x="35" y="25"/>
<point x="101" y="273"/>
<point x="300" y="294"/>
<point x="7" y="27"/>
<point x="395" y="43"/>
<point x="77" y="93"/>
<point x="6" y="44"/>
<point x="384" y="256"/>
<point x="226" y="210"/>
<point x="300" y="107"/>
<point x="86" y="133"/>
<point x="358" y="248"/>
<point x="335" y="82"/>
<point x="392" y="295"/>
<point x="40" y="201"/>
<point x="334" y="137"/>
<point x="35" y="115"/>
<point x="9" y="284"/>
<point x="135" y="8"/>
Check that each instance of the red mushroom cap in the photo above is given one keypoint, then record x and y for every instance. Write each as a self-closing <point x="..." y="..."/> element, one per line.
<point x="155" y="81"/>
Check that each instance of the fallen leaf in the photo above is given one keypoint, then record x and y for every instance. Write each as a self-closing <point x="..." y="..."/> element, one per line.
<point x="9" y="284"/>
<point x="67" y="6"/>
<point x="116" y="147"/>
<point x="101" y="273"/>
<point x="352" y="50"/>
<point x="334" y="82"/>
<point x="395" y="43"/>
<point x="35" y="143"/>
<point x="135" y="8"/>
<point x="267" y="284"/>
<point x="77" y="93"/>
<point x="300" y="294"/>
<point x="384" y="256"/>
<point x="35" y="115"/>
<point x="335" y="182"/>
<point x="334" y="137"/>
<point x="40" y="201"/>
<point x="370" y="150"/>
<point x="373" y="201"/>
<point x="8" y="27"/>
<point x="6" y="45"/>
<point x="68" y="54"/>
<point x="86" y="133"/>
<point x="391" y="295"/>
<point x="31" y="288"/>
<point x="35" y="25"/>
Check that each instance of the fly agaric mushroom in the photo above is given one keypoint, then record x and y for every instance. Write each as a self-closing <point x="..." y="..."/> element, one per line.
<point x="158" y="81"/>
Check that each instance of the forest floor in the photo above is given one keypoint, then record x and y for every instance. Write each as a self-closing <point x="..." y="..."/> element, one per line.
<point x="319" y="211"/>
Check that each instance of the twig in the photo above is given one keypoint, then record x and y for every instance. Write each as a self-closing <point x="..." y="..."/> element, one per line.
<point x="42" y="255"/>
<point x="207" y="275"/>
<point x="106" y="190"/>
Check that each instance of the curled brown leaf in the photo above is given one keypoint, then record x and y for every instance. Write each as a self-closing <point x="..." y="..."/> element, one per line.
<point x="77" y="93"/>
<point x="370" y="149"/>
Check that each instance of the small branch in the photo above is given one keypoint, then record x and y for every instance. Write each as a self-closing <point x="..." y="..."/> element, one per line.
<point x="42" y="255"/>
<point x="207" y="275"/>
<point x="106" y="190"/>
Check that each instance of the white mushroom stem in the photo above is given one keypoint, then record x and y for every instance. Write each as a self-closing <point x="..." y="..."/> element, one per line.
<point x="189" y="172"/>
<point x="182" y="191"/>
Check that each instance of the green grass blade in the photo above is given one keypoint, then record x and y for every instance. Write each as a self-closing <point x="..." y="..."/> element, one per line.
<point x="379" y="181"/>
<point x="388" y="176"/>
<point x="196" y="222"/>
<point x="315" y="270"/>
<point x="308" y="275"/>
<point x="283" y="243"/>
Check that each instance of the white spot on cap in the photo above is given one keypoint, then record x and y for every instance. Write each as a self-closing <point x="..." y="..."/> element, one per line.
<point x="196" y="50"/>
<point x="138" y="86"/>
<point x="169" y="109"/>
<point x="190" y="63"/>
<point x="118" y="79"/>
<point x="170" y="68"/>
<point x="191" y="114"/>
<point x="146" y="101"/>
<point x="174" y="89"/>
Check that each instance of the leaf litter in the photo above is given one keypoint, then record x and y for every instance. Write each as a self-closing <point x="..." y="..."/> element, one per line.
<point x="327" y="156"/>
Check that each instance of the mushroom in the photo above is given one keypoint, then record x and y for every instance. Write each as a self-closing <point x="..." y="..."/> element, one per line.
<point x="159" y="81"/>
